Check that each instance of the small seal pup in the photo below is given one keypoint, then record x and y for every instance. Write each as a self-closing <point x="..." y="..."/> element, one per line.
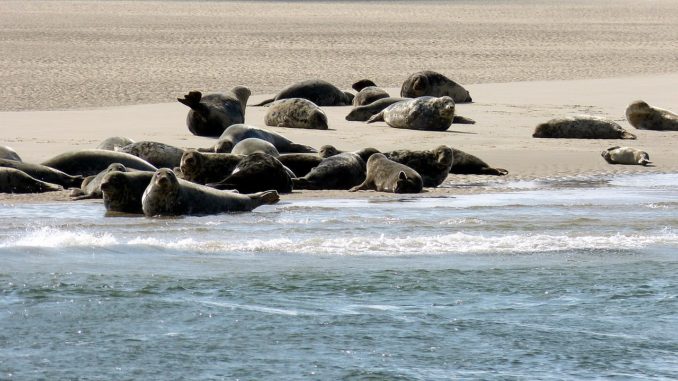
<point x="432" y="165"/>
<point x="384" y="175"/>
<point x="467" y="164"/>
<point x="9" y="154"/>
<point x="252" y="145"/>
<point x="211" y="114"/>
<point x="88" y="162"/>
<point x="300" y="163"/>
<point x="319" y="92"/>
<point x="295" y="113"/>
<point x="625" y="155"/>
<point x="114" y="141"/>
<point x="44" y="173"/>
<point x="203" y="168"/>
<point x="435" y="85"/>
<point x="166" y="195"/>
<point x="13" y="180"/>
<point x="122" y="191"/>
<point x="91" y="186"/>
<point x="342" y="171"/>
<point x="368" y="92"/>
<point x="255" y="173"/>
<point x="160" y="155"/>
<point x="581" y="127"/>
<point x="645" y="117"/>
<point x="423" y="113"/>
<point x="237" y="132"/>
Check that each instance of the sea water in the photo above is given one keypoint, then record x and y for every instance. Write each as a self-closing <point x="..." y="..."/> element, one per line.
<point x="532" y="280"/>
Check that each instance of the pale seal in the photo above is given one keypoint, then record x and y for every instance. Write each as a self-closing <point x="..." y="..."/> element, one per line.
<point x="645" y="117"/>
<point x="160" y="155"/>
<point x="467" y="164"/>
<point x="430" y="83"/>
<point x="237" y="132"/>
<point x="166" y="195"/>
<point x="88" y="162"/>
<point x="423" y="113"/>
<point x="13" y="180"/>
<point x="368" y="92"/>
<point x="295" y="113"/>
<point x="581" y="127"/>
<point x="300" y="163"/>
<point x="203" y="168"/>
<point x="9" y="154"/>
<point x="211" y="114"/>
<point x="253" y="145"/>
<point x="44" y="173"/>
<point x="114" y="141"/>
<point x="255" y="173"/>
<point x="91" y="186"/>
<point x="122" y="191"/>
<point x="432" y="165"/>
<point x="626" y="155"/>
<point x="384" y="175"/>
<point x="363" y="113"/>
<point x="319" y="92"/>
<point x="342" y="171"/>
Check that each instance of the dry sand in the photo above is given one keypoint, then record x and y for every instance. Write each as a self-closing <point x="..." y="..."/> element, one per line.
<point x="84" y="57"/>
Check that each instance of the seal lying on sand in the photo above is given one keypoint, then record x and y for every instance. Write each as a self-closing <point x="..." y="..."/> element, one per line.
<point x="115" y="141"/>
<point x="645" y="117"/>
<point x="88" y="162"/>
<point x="625" y="155"/>
<point x="319" y="92"/>
<point x="203" y="168"/>
<point x="13" y="180"/>
<point x="581" y="127"/>
<point x="160" y="155"/>
<point x="430" y="83"/>
<point x="122" y="191"/>
<point x="296" y="113"/>
<point x="300" y="163"/>
<point x="432" y="165"/>
<point x="467" y="164"/>
<point x="257" y="172"/>
<point x="237" y="132"/>
<point x="167" y="196"/>
<point x="368" y="92"/>
<point x="384" y="175"/>
<point x="44" y="173"/>
<point x="253" y="145"/>
<point x="211" y="114"/>
<point x="423" y="113"/>
<point x="342" y="171"/>
<point x="9" y="154"/>
<point x="363" y="113"/>
<point x="91" y="186"/>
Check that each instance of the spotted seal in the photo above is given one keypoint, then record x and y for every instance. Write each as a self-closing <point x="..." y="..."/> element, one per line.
<point x="430" y="83"/>
<point x="211" y="114"/>
<point x="122" y="191"/>
<point x="467" y="164"/>
<point x="114" y="141"/>
<point x="341" y="171"/>
<point x="368" y="92"/>
<point x="88" y="162"/>
<point x="203" y="168"/>
<point x="321" y="93"/>
<point x="432" y="165"/>
<point x="91" y="186"/>
<point x="160" y="155"/>
<point x="9" y="154"/>
<point x="166" y="195"/>
<point x="255" y="173"/>
<point x="44" y="173"/>
<point x="13" y="180"/>
<point x="423" y="113"/>
<point x="581" y="127"/>
<point x="384" y="175"/>
<point x="296" y="113"/>
<point x="252" y="145"/>
<point x="363" y="113"/>
<point x="237" y="132"/>
<point x="625" y="155"/>
<point x="645" y="117"/>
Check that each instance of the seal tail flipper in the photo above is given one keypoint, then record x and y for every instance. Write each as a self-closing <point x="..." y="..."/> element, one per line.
<point x="462" y="120"/>
<point x="265" y="102"/>
<point x="301" y="148"/>
<point x="364" y="186"/>
<point x="192" y="99"/>
<point x="628" y="135"/>
<point x="376" y="118"/>
<point x="494" y="171"/>
<point x="645" y="162"/>
<point x="302" y="183"/>
<point x="266" y="198"/>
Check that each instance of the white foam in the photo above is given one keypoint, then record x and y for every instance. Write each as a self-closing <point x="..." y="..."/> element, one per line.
<point x="52" y="238"/>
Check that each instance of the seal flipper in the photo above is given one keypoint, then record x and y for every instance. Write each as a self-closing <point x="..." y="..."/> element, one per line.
<point x="300" y="148"/>
<point x="366" y="185"/>
<point x="266" y="197"/>
<point x="376" y="118"/>
<point x="462" y="120"/>
<point x="265" y="103"/>
<point x="303" y="183"/>
<point x="192" y="99"/>
<point x="628" y="135"/>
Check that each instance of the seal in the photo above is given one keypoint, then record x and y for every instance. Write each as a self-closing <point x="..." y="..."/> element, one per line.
<point x="467" y="164"/>
<point x="255" y="173"/>
<point x="237" y="132"/>
<point x="160" y="155"/>
<point x="122" y="191"/>
<point x="13" y="180"/>
<point x="44" y="173"/>
<point x="341" y="171"/>
<point x="252" y="145"/>
<point x="111" y="143"/>
<point x="645" y="117"/>
<point x="203" y="168"/>
<point x="88" y="162"/>
<point x="296" y="113"/>
<point x="368" y="92"/>
<point x="166" y="195"/>
<point x="211" y="114"/>
<point x="300" y="163"/>
<point x="328" y="150"/>
<point x="384" y="175"/>
<point x="9" y="154"/>
<point x="581" y="127"/>
<point x="319" y="92"/>
<point x="432" y="165"/>
<point x="91" y="186"/>
<point x="625" y="155"/>
<point x="423" y="113"/>
<point x="430" y="83"/>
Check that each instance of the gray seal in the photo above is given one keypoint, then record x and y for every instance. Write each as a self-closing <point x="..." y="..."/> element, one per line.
<point x="237" y="132"/>
<point x="300" y="163"/>
<point x="423" y="113"/>
<point x="255" y="173"/>
<point x="319" y="92"/>
<point x="91" y="186"/>
<point x="467" y="164"/>
<point x="160" y="155"/>
<point x="122" y="191"/>
<point x="384" y="175"/>
<point x="341" y="171"/>
<point x="88" y="162"/>
<point x="44" y="173"/>
<point x="430" y="83"/>
<point x="9" y="154"/>
<point x="368" y="92"/>
<point x="432" y="165"/>
<point x="203" y="168"/>
<point x="211" y="114"/>
<point x="581" y="127"/>
<point x="114" y="141"/>
<point x="13" y="180"/>
<point x="296" y="113"/>
<point x="626" y="155"/>
<point x="253" y="145"/>
<point x="166" y="195"/>
<point x="363" y="113"/>
<point x="645" y="117"/>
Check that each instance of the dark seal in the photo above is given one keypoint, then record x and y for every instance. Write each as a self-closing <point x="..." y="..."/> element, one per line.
<point x="255" y="173"/>
<point x="211" y="114"/>
<point x="645" y="117"/>
<point x="122" y="191"/>
<point x="90" y="162"/>
<point x="341" y="171"/>
<point x="319" y="92"/>
<point x="91" y="186"/>
<point x="203" y="168"/>
<point x="44" y="173"/>
<point x="13" y="180"/>
<point x="432" y="165"/>
<point x="9" y="154"/>
<point x="467" y="164"/>
<point x="368" y="92"/>
<point x="384" y="175"/>
<point x="300" y="163"/>
<point x="581" y="127"/>
<point x="238" y="132"/>
<point x="430" y="83"/>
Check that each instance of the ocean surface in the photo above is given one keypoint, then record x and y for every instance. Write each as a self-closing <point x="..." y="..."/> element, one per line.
<point x="549" y="280"/>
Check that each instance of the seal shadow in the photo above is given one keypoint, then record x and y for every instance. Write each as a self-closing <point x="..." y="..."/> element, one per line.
<point x="461" y="132"/>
